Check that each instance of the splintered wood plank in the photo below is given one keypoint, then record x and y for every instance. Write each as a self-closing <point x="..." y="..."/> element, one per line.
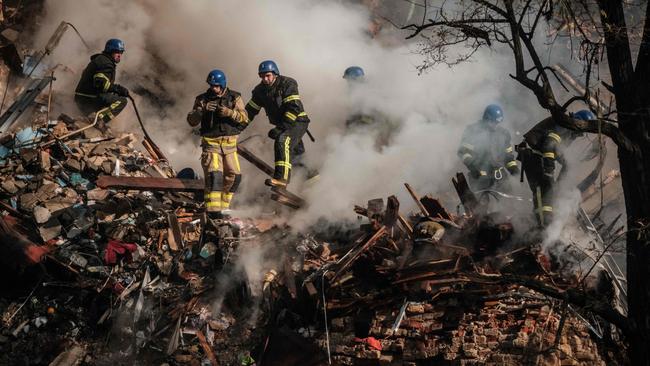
<point x="355" y="253"/>
<point x="392" y="211"/>
<point x="175" y="228"/>
<point x="209" y="353"/>
<point x="434" y="207"/>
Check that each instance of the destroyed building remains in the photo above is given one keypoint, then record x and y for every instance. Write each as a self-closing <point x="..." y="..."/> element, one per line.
<point x="110" y="258"/>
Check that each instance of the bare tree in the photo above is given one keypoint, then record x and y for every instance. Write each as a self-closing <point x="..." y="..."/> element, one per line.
<point x="599" y="30"/>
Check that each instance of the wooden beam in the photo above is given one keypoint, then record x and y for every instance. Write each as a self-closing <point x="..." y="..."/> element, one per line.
<point x="416" y="199"/>
<point x="253" y="159"/>
<point x="467" y="197"/>
<point x="151" y="183"/>
<point x="355" y="253"/>
<point x="282" y="196"/>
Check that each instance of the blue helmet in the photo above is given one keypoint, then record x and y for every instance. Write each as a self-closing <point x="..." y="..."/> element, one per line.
<point x="217" y="77"/>
<point x="353" y="73"/>
<point x="493" y="113"/>
<point x="268" y="66"/>
<point x="114" y="45"/>
<point x="584" y="115"/>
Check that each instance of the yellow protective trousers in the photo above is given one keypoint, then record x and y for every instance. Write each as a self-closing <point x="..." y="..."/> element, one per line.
<point x="221" y="170"/>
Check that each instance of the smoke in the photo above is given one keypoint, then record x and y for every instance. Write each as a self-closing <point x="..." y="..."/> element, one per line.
<point x="171" y="47"/>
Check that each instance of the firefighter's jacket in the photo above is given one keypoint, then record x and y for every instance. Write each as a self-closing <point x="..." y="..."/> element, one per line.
<point x="281" y="102"/>
<point x="484" y="149"/>
<point x="548" y="140"/>
<point x="214" y="125"/>
<point x="98" y="77"/>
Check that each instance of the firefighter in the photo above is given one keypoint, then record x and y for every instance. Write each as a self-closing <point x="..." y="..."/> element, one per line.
<point x="355" y="76"/>
<point x="97" y="91"/>
<point x="542" y="147"/>
<point x="221" y="113"/>
<point x="486" y="151"/>
<point x="363" y="118"/>
<point x="278" y="95"/>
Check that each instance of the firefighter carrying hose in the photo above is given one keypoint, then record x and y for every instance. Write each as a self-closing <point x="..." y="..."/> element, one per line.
<point x="97" y="91"/>
<point x="278" y="95"/>
<point x="486" y="151"/>
<point x="542" y="147"/>
<point x="222" y="115"/>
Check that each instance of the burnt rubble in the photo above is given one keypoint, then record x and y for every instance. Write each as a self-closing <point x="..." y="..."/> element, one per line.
<point x="135" y="273"/>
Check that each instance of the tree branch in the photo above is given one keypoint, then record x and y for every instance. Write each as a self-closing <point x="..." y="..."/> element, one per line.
<point x="523" y="12"/>
<point x="537" y="17"/>
<point x="607" y="129"/>
<point x="575" y="99"/>
<point x="493" y="7"/>
<point x="543" y="92"/>
<point x="458" y="24"/>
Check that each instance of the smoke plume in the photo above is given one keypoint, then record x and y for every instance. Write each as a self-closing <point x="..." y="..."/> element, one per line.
<point x="172" y="45"/>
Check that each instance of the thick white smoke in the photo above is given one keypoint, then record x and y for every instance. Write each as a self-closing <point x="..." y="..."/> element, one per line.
<point x="176" y="43"/>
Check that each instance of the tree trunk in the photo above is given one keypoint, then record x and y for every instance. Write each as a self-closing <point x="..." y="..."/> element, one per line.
<point x="634" y="122"/>
<point x="635" y="175"/>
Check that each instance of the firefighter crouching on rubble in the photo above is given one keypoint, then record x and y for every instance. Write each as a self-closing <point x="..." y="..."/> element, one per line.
<point x="222" y="115"/>
<point x="97" y="91"/>
<point x="278" y="95"/>
<point x="486" y="151"/>
<point x="542" y="147"/>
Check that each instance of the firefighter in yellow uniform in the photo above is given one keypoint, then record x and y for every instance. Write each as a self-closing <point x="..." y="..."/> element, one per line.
<point x="222" y="115"/>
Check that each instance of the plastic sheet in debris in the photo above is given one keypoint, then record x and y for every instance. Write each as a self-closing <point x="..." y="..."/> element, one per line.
<point x="25" y="136"/>
<point x="208" y="250"/>
<point x="77" y="180"/>
<point x="4" y="151"/>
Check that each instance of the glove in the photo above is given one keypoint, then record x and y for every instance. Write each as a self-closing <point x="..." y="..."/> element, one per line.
<point x="224" y="111"/>
<point x="211" y="106"/>
<point x="120" y="90"/>
<point x="274" y="133"/>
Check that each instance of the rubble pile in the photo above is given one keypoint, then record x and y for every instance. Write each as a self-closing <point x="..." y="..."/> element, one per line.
<point x="142" y="276"/>
<point x="442" y="302"/>
<point x="112" y="273"/>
